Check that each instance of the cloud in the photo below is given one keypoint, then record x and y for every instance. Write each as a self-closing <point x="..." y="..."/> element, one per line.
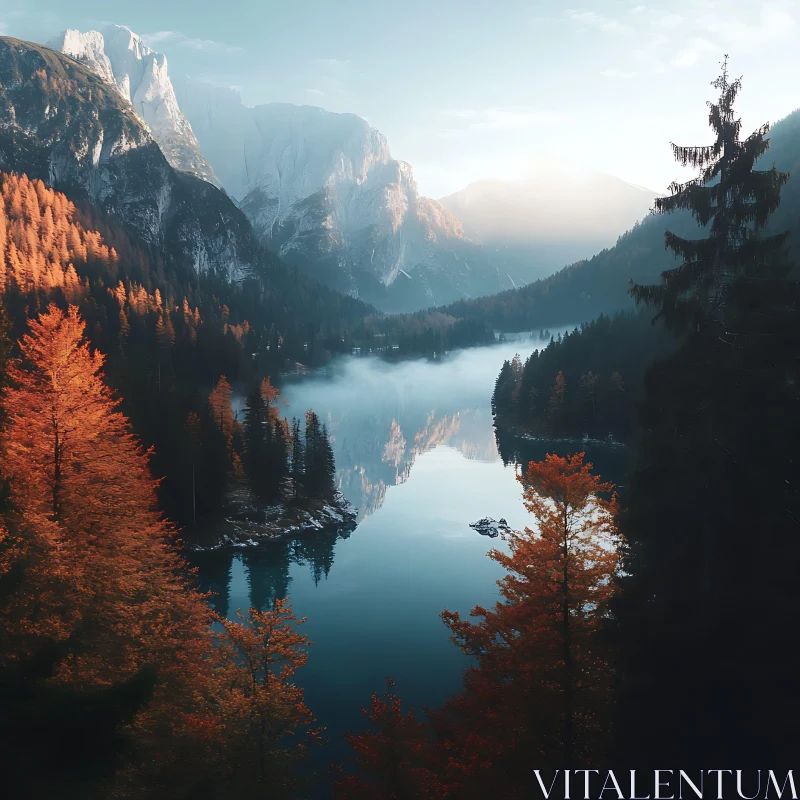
<point x="613" y="72"/>
<point x="692" y="52"/>
<point x="317" y="92"/>
<point x="669" y="22"/>
<point x="178" y="39"/>
<point x="591" y="19"/>
<point x="459" y="122"/>
<point x="772" y="25"/>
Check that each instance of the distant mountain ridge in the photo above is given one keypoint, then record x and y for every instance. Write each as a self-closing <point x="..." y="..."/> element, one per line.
<point x="599" y="285"/>
<point x="140" y="75"/>
<point x="536" y="225"/>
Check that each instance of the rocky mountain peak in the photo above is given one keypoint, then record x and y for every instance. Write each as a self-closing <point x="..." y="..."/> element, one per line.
<point x="140" y="75"/>
<point x="323" y="190"/>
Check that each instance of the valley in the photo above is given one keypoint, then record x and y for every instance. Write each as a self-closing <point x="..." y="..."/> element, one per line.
<point x="313" y="485"/>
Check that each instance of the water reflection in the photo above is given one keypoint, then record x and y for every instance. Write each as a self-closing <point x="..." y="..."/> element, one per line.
<point x="267" y="569"/>
<point x="418" y="457"/>
<point x="382" y="417"/>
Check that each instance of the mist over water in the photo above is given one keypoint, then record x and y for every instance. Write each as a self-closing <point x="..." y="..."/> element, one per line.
<point x="417" y="456"/>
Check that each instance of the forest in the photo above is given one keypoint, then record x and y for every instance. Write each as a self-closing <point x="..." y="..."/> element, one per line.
<point x="648" y="625"/>
<point x="585" y="383"/>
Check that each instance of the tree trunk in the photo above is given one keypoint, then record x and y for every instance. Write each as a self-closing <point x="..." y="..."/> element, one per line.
<point x="56" y="475"/>
<point x="569" y="692"/>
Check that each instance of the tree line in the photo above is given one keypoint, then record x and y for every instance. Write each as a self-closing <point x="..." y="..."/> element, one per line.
<point x="584" y="383"/>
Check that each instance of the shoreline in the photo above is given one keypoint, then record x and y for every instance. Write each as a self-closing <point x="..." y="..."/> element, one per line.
<point x="246" y="524"/>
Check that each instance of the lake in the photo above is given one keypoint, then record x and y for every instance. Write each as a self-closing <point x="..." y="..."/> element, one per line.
<point x="417" y="456"/>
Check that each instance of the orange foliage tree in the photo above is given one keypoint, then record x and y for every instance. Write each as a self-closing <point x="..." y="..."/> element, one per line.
<point x="540" y="692"/>
<point x="41" y="239"/>
<point x="393" y="759"/>
<point x="541" y="688"/>
<point x="268" y="726"/>
<point x="96" y="569"/>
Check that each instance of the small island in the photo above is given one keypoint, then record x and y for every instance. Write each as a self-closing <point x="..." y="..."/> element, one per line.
<point x="282" y="476"/>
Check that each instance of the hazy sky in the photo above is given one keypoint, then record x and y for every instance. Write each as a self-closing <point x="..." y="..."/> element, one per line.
<point x="467" y="89"/>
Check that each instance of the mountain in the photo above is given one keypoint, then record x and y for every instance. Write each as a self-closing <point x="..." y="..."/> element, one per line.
<point x="323" y="190"/>
<point x="599" y="285"/>
<point x="534" y="226"/>
<point x="62" y="123"/>
<point x="123" y="60"/>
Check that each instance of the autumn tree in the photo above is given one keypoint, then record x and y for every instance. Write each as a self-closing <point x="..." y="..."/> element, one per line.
<point x="266" y="721"/>
<point x="221" y="409"/>
<point x="94" y="591"/>
<point x="98" y="567"/>
<point x="392" y="757"/>
<point x="539" y="693"/>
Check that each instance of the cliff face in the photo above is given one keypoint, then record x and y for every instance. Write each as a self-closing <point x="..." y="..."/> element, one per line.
<point x="61" y="122"/>
<point x="141" y="77"/>
<point x="323" y="190"/>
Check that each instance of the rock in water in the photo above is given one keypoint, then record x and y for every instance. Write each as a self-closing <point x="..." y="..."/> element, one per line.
<point x="486" y="527"/>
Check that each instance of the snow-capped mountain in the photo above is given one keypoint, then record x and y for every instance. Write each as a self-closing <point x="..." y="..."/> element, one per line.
<point x="324" y="191"/>
<point x="140" y="75"/>
<point x="63" y="124"/>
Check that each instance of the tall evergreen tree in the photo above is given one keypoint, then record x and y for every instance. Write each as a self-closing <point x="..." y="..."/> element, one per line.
<point x="298" y="458"/>
<point x="502" y="398"/>
<point x="735" y="199"/>
<point x="327" y="466"/>
<point x="708" y="620"/>
<point x="320" y="467"/>
<point x="257" y="462"/>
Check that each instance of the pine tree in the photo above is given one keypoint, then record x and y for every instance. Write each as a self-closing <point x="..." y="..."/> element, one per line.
<point x="736" y="200"/>
<point x="257" y="449"/>
<point x="327" y="466"/>
<point x="298" y="459"/>
<point x="711" y="514"/>
<point x="503" y="396"/>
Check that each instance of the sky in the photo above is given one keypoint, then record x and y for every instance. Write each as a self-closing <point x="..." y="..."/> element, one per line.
<point x="467" y="90"/>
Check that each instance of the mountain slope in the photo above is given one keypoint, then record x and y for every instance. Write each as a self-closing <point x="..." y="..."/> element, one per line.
<point x="587" y="288"/>
<point x="140" y="75"/>
<point x="534" y="226"/>
<point x="62" y="123"/>
<point x="324" y="191"/>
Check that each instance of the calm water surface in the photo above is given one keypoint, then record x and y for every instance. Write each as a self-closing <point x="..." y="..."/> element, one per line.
<point x="417" y="456"/>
